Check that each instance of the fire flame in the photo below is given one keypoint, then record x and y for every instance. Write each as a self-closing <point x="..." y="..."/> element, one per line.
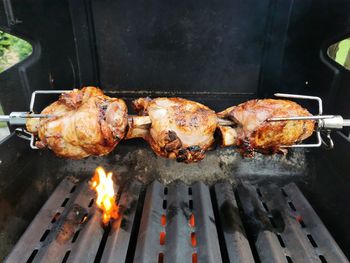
<point x="102" y="183"/>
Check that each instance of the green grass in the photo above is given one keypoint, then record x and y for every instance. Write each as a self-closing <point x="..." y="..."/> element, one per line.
<point x="12" y="50"/>
<point x="343" y="50"/>
<point x="2" y="124"/>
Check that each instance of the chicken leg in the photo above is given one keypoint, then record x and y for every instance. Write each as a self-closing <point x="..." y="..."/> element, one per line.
<point x="86" y="122"/>
<point x="252" y="132"/>
<point x="175" y="128"/>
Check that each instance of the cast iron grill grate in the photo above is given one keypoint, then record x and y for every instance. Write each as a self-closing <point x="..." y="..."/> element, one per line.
<point x="179" y="223"/>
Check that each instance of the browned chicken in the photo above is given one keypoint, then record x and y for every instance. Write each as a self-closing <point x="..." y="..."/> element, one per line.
<point x="86" y="122"/>
<point x="252" y="131"/>
<point x="180" y="129"/>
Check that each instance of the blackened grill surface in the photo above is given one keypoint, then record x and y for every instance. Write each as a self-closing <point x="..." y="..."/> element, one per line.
<point x="179" y="223"/>
<point x="235" y="243"/>
<point x="283" y="226"/>
<point x="75" y="230"/>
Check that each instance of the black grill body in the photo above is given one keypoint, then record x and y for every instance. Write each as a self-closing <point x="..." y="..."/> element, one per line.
<point x="219" y="54"/>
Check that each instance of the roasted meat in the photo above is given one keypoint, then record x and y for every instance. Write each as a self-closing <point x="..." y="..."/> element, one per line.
<point x="180" y="129"/>
<point x="252" y="132"/>
<point x="85" y="122"/>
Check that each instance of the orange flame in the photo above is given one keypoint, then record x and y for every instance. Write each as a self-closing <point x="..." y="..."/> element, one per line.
<point x="102" y="183"/>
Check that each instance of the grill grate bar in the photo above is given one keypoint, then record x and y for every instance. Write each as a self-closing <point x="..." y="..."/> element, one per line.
<point x="178" y="231"/>
<point x="208" y="249"/>
<point x="190" y="232"/>
<point x="77" y="217"/>
<point x="29" y="244"/>
<point x="278" y="221"/>
<point x="88" y="242"/>
<point x="298" y="248"/>
<point x="118" y="241"/>
<point x="261" y="225"/>
<point x="269" y="248"/>
<point x="68" y="228"/>
<point x="236" y="243"/>
<point x="178" y="225"/>
<point x="327" y="248"/>
<point x="148" y="246"/>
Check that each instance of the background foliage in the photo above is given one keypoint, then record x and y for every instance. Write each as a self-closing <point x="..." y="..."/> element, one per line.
<point x="2" y="124"/>
<point x="12" y="50"/>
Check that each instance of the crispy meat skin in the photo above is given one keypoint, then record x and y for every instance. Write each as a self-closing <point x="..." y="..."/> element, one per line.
<point x="181" y="129"/>
<point x="86" y="123"/>
<point x="254" y="133"/>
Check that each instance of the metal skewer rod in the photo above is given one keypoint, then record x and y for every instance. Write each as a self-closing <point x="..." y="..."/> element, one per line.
<point x="145" y="121"/>
<point x="19" y="118"/>
<point x="298" y="118"/>
<point x="33" y="115"/>
<point x="4" y="118"/>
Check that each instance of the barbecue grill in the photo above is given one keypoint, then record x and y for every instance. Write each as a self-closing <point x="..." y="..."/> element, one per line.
<point x="226" y="208"/>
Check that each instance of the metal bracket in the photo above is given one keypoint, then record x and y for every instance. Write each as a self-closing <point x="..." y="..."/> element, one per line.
<point x="24" y="134"/>
<point x="325" y="123"/>
<point x="32" y="100"/>
<point x="31" y="137"/>
<point x="317" y="118"/>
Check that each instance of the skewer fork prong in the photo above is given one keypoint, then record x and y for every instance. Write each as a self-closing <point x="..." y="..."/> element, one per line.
<point x="305" y="97"/>
<point x="318" y="118"/>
